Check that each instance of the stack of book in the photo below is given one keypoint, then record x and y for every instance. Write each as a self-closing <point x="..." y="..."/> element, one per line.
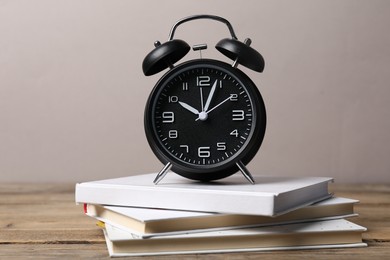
<point x="180" y="216"/>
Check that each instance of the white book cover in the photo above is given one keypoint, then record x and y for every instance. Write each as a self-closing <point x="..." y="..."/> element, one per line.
<point x="148" y="222"/>
<point x="269" y="196"/>
<point x="320" y="234"/>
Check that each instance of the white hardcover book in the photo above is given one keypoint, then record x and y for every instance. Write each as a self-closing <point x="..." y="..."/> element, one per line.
<point x="147" y="222"/>
<point x="320" y="234"/>
<point x="270" y="196"/>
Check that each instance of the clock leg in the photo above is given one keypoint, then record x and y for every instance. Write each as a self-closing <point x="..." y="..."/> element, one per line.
<point x="245" y="172"/>
<point x="162" y="173"/>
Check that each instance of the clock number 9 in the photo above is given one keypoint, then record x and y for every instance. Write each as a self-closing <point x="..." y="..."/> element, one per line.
<point x="168" y="117"/>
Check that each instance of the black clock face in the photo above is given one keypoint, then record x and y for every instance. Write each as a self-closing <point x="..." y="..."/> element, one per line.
<point x="204" y="116"/>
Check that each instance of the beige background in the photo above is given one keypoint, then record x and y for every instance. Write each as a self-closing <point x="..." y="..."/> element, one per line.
<point x="72" y="92"/>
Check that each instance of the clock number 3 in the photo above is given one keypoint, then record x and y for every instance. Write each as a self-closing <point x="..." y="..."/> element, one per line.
<point x="238" y="115"/>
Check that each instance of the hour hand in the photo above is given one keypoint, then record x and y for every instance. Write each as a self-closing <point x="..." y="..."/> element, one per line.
<point x="189" y="108"/>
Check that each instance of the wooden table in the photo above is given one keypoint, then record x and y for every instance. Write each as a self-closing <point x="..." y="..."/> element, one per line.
<point x="42" y="221"/>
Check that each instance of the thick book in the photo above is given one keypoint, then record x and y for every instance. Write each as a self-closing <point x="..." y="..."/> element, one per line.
<point x="147" y="222"/>
<point x="321" y="234"/>
<point x="270" y="196"/>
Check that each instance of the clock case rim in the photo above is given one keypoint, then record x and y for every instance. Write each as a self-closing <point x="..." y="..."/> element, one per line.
<point x="226" y="168"/>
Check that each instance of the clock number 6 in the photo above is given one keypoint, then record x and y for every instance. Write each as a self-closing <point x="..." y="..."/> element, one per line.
<point x="204" y="151"/>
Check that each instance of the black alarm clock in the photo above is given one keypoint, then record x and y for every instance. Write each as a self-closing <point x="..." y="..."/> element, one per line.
<point x="204" y="119"/>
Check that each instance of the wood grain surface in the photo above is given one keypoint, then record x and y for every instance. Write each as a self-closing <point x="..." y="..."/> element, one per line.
<point x="42" y="221"/>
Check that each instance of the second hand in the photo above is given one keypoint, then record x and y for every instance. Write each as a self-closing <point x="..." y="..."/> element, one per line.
<point x="207" y="112"/>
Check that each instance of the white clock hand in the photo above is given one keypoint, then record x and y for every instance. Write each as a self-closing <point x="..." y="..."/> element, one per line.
<point x="227" y="99"/>
<point x="201" y="98"/>
<point x="211" y="94"/>
<point x="204" y="115"/>
<point x="189" y="108"/>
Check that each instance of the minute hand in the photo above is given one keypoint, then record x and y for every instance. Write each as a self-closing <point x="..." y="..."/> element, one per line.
<point x="211" y="94"/>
